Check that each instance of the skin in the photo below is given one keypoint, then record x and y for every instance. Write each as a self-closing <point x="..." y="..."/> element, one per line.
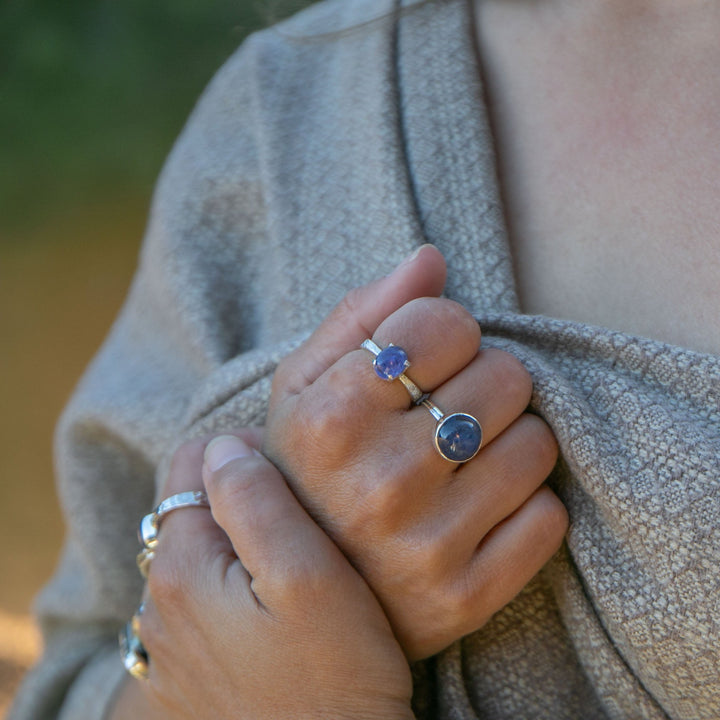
<point x="605" y="116"/>
<point x="369" y="529"/>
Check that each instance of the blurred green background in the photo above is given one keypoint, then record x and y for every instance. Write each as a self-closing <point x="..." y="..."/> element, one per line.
<point x="92" y="95"/>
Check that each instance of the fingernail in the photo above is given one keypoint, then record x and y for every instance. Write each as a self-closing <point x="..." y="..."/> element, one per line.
<point x="408" y="259"/>
<point x="224" y="449"/>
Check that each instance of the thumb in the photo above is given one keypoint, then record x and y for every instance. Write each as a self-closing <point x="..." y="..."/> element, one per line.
<point x="358" y="315"/>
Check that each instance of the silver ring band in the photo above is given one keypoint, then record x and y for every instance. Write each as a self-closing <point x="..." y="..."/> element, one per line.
<point x="133" y="653"/>
<point x="150" y="524"/>
<point x="457" y="436"/>
<point x="415" y="392"/>
<point x="143" y="560"/>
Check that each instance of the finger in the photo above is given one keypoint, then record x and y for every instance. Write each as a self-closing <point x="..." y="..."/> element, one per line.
<point x="346" y="415"/>
<point x="348" y="408"/>
<point x="275" y="539"/>
<point x="186" y="466"/>
<point x="440" y="338"/>
<point x="358" y="315"/>
<point x="186" y="475"/>
<point x="191" y="545"/>
<point x="492" y="486"/>
<point x="494" y="387"/>
<point x="439" y="335"/>
<point x="510" y="556"/>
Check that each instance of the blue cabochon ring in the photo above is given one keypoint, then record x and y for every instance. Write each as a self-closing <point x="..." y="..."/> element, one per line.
<point x="458" y="436"/>
<point x="391" y="364"/>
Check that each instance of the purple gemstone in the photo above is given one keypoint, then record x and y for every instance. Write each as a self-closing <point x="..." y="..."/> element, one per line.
<point x="391" y="362"/>
<point x="458" y="437"/>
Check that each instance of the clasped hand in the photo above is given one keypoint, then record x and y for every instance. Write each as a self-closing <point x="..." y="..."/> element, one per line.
<point x="442" y="546"/>
<point x="299" y="594"/>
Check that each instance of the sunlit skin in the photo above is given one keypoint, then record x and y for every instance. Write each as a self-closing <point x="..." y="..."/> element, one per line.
<point x="605" y="116"/>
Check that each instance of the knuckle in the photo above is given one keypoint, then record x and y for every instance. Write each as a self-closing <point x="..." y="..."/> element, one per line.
<point x="512" y="376"/>
<point x="283" y="433"/>
<point x="553" y="520"/>
<point x="433" y="557"/>
<point x="323" y="425"/>
<point x="451" y="322"/>
<point x="351" y="302"/>
<point x="340" y="393"/>
<point x="461" y="604"/>
<point x="167" y="583"/>
<point x="382" y="503"/>
<point x="540" y="442"/>
<point x="284" y="375"/>
<point x="350" y="309"/>
<point x="387" y="498"/>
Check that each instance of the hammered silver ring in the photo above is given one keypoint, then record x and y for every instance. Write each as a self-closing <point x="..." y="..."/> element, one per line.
<point x="150" y="524"/>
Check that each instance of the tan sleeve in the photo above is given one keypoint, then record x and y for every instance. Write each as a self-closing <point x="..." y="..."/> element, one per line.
<point x="189" y="311"/>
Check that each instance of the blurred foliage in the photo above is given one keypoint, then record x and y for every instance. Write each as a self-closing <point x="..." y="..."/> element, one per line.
<point x="93" y="92"/>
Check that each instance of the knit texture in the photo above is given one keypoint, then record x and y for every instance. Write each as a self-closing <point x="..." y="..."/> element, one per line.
<point x="323" y="152"/>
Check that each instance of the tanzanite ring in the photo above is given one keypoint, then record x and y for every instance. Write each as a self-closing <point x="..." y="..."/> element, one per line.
<point x="391" y="364"/>
<point x="457" y="436"/>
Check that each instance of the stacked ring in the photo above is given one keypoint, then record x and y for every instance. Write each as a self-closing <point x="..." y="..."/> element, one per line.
<point x="458" y="436"/>
<point x="134" y="655"/>
<point x="390" y="364"/>
<point x="150" y="524"/>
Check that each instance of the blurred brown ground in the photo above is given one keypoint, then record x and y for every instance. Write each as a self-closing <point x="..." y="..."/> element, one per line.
<point x="61" y="284"/>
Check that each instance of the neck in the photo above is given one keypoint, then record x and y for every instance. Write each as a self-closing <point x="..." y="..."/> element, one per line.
<point x="701" y="18"/>
<point x="629" y="33"/>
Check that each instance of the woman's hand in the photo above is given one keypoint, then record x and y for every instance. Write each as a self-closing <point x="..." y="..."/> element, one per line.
<point x="443" y="546"/>
<point x="252" y="612"/>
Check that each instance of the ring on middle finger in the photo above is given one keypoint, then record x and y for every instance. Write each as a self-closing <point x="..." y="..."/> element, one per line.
<point x="390" y="364"/>
<point x="458" y="436"/>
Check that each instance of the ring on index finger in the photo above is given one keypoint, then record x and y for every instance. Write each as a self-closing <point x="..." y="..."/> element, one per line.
<point x="150" y="524"/>
<point x="390" y="364"/>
